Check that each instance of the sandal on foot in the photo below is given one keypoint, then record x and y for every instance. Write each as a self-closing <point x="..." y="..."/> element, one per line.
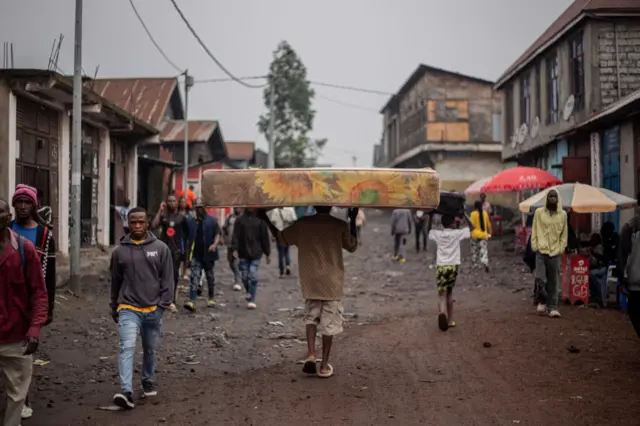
<point x="452" y="324"/>
<point x="309" y="366"/>
<point x="442" y="322"/>
<point x="327" y="374"/>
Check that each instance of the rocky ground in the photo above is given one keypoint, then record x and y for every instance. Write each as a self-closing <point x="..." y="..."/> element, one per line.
<point x="501" y="365"/>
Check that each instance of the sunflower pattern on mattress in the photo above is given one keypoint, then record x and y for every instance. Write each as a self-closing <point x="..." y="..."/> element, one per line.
<point x="336" y="187"/>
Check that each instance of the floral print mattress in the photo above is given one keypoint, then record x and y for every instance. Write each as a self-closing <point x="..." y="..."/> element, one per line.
<point x="341" y="187"/>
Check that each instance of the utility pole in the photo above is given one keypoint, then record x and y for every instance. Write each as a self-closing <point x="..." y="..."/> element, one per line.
<point x="76" y="155"/>
<point x="188" y="83"/>
<point x="271" y="159"/>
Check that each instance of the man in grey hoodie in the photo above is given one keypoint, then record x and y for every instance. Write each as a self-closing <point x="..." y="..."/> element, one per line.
<point x="142" y="285"/>
<point x="401" y="220"/>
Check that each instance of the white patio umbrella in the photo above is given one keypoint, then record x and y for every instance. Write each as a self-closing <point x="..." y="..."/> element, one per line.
<point x="474" y="188"/>
<point x="581" y="198"/>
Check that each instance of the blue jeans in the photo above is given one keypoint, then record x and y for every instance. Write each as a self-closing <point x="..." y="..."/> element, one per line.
<point x="130" y="324"/>
<point x="284" y="261"/>
<point x="196" y="274"/>
<point x="249" y="273"/>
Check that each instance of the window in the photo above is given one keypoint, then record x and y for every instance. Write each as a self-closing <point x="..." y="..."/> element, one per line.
<point x="508" y="113"/>
<point x="576" y="69"/>
<point x="552" y="88"/>
<point x="538" y="100"/>
<point x="525" y="100"/>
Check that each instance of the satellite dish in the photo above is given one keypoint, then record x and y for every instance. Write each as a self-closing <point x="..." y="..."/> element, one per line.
<point x="522" y="133"/>
<point x="568" y="108"/>
<point x="535" y="127"/>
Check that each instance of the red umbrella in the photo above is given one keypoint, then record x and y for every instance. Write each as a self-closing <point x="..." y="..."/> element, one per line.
<point x="519" y="179"/>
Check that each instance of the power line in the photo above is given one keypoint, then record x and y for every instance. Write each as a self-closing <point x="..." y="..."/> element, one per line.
<point x="153" y="40"/>
<point x="346" y="104"/>
<point x="317" y="83"/>
<point x="352" y="88"/>
<point x="206" y="49"/>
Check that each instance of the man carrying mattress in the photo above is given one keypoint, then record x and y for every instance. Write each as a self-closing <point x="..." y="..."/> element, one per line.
<point x="320" y="240"/>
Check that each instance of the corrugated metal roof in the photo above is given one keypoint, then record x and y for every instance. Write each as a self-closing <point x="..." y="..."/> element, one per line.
<point x="573" y="12"/>
<point x="240" y="150"/>
<point x="199" y="131"/>
<point x="146" y="98"/>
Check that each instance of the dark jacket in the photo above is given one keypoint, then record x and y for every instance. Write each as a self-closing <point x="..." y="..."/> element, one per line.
<point x="210" y="229"/>
<point x="251" y="237"/>
<point x="23" y="305"/>
<point x="46" y="249"/>
<point x="628" y="234"/>
<point x="142" y="275"/>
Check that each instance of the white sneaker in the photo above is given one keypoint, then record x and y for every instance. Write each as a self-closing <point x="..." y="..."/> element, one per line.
<point x="554" y="313"/>
<point x="541" y="308"/>
<point x="27" y="412"/>
<point x="237" y="287"/>
<point x="251" y="305"/>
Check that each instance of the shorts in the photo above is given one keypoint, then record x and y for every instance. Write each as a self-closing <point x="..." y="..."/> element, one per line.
<point x="446" y="276"/>
<point x="326" y="314"/>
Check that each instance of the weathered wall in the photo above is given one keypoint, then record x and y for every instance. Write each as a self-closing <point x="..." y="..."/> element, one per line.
<point x="443" y="107"/>
<point x="619" y="58"/>
<point x="606" y="79"/>
<point x="627" y="167"/>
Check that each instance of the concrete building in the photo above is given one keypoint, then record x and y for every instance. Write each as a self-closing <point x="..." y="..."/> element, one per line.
<point x="443" y="120"/>
<point x="35" y="143"/>
<point x="586" y="61"/>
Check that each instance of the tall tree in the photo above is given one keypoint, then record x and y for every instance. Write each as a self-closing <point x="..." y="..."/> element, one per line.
<point x="293" y="112"/>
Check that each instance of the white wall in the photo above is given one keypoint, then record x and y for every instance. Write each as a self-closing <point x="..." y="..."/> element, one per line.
<point x="468" y="168"/>
<point x="104" y="199"/>
<point x="8" y="142"/>
<point x="64" y="165"/>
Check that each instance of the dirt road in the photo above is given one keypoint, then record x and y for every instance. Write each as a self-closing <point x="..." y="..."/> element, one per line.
<point x="502" y="365"/>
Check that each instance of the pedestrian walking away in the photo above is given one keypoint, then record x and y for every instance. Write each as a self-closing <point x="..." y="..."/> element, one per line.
<point x="204" y="237"/>
<point x="400" y="227"/>
<point x="142" y="281"/>
<point x="448" y="265"/>
<point x="23" y="312"/>
<point x="320" y="240"/>
<point x="123" y="212"/>
<point x="480" y="236"/>
<point x="227" y="233"/>
<point x="29" y="225"/>
<point x="549" y="237"/>
<point x="420" y="220"/>
<point x="174" y="228"/>
<point x="250" y="242"/>
<point x="282" y="218"/>
<point x="628" y="268"/>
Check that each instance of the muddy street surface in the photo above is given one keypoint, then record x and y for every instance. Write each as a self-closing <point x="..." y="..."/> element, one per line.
<point x="502" y="365"/>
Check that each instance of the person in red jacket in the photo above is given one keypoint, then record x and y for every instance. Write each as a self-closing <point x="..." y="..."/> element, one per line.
<point x="24" y="307"/>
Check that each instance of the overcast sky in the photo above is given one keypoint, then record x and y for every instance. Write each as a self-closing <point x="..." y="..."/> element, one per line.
<point x="373" y="44"/>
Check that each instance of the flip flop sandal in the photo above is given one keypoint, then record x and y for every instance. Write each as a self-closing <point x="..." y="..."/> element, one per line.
<point x="310" y="367"/>
<point x="302" y="361"/>
<point x="326" y="375"/>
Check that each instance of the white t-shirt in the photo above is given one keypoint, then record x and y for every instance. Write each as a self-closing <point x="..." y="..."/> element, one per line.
<point x="448" y="241"/>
